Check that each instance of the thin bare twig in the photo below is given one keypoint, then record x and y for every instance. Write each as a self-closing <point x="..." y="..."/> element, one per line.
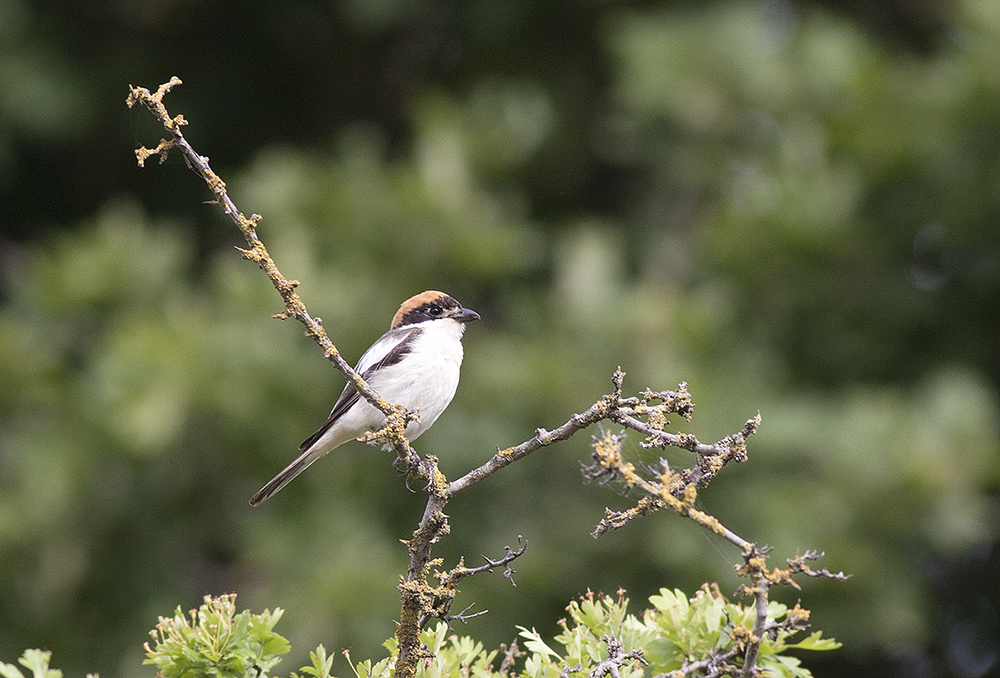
<point x="510" y="655"/>
<point x="509" y="556"/>
<point x="597" y="412"/>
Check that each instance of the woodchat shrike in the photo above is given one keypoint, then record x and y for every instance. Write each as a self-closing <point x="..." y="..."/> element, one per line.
<point x="415" y="364"/>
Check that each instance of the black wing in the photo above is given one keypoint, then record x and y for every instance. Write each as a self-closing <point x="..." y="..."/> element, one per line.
<point x="401" y="342"/>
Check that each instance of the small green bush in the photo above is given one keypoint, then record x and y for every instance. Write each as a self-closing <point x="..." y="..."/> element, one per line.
<point x="675" y="633"/>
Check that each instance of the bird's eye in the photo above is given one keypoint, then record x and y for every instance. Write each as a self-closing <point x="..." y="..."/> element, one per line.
<point x="435" y="311"/>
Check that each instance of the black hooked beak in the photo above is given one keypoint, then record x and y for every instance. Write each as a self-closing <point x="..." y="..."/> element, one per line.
<point x="465" y="315"/>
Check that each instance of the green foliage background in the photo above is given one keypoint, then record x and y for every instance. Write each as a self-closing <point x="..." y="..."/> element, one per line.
<point x="793" y="206"/>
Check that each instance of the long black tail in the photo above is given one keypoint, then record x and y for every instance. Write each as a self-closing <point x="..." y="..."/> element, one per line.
<point x="286" y="476"/>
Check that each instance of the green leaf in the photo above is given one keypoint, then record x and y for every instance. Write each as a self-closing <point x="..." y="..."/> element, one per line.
<point x="382" y="669"/>
<point x="663" y="654"/>
<point x="10" y="671"/>
<point x="815" y="641"/>
<point x="668" y="601"/>
<point x="362" y="669"/>
<point x="321" y="664"/>
<point x="38" y="662"/>
<point x="434" y="638"/>
<point x="534" y="643"/>
<point x="715" y="616"/>
<point x="781" y="665"/>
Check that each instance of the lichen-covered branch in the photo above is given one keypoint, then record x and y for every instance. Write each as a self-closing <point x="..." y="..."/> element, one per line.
<point x="667" y="488"/>
<point x="397" y="417"/>
<point x="647" y="413"/>
<point x="443" y="595"/>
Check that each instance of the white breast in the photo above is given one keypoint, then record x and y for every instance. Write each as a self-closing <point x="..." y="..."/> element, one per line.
<point x="425" y="379"/>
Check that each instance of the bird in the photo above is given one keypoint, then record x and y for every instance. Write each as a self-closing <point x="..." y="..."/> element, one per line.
<point x="415" y="364"/>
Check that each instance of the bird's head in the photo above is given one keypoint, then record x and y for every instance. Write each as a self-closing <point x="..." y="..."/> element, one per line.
<point x="431" y="305"/>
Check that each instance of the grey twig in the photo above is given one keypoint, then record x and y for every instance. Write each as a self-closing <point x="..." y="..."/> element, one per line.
<point x="617" y="657"/>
